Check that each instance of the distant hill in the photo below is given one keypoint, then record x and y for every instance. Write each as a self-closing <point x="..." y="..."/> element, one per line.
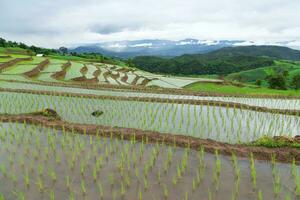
<point x="223" y="61"/>
<point x="276" y="52"/>
<point x="201" y="64"/>
<point x="163" y="48"/>
<point x="250" y="76"/>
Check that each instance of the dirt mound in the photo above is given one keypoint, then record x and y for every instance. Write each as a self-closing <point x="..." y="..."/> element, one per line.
<point x="40" y="67"/>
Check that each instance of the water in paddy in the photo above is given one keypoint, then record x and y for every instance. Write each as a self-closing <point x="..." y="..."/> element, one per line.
<point x="42" y="163"/>
<point x="292" y="104"/>
<point x="218" y="123"/>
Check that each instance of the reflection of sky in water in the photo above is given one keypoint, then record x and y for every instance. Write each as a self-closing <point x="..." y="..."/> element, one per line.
<point x="218" y="123"/>
<point x="293" y="104"/>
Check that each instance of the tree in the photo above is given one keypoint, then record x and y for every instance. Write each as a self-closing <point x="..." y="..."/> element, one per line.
<point x="258" y="82"/>
<point x="296" y="82"/>
<point x="2" y="42"/>
<point x="277" y="81"/>
<point x="63" y="50"/>
<point x="285" y="73"/>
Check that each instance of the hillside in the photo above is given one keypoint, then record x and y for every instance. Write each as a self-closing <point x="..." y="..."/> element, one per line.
<point x="201" y="64"/>
<point x="275" y="52"/>
<point x="17" y="64"/>
<point x="250" y="76"/>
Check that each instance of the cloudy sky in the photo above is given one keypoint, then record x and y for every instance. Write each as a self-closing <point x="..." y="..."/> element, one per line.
<point x="54" y="23"/>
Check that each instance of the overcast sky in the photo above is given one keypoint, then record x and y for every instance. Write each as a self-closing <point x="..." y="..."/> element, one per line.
<point x="54" y="23"/>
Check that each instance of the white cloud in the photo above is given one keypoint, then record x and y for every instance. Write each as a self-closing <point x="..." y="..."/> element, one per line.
<point x="54" y="23"/>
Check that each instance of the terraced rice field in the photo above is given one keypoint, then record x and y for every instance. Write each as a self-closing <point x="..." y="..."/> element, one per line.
<point x="66" y="133"/>
<point x="96" y="73"/>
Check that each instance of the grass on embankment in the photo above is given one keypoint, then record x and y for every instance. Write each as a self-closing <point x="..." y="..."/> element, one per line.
<point x="235" y="90"/>
<point x="276" y="142"/>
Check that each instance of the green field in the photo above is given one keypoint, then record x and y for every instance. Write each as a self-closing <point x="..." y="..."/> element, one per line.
<point x="243" y="90"/>
<point x="250" y="76"/>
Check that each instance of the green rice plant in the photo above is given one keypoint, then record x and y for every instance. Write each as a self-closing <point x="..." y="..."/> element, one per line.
<point x="209" y="195"/>
<point x="158" y="177"/>
<point x="40" y="185"/>
<point x="52" y="195"/>
<point x="146" y="184"/>
<point x="52" y="175"/>
<point x="217" y="170"/>
<point x="140" y="194"/>
<point x="100" y="188"/>
<point x="253" y="171"/>
<point x="26" y="179"/>
<point x="260" y="195"/>
<point x="111" y="179"/>
<point x="3" y="170"/>
<point x="83" y="187"/>
<point x="68" y="182"/>
<point x="297" y="188"/>
<point x="186" y="196"/>
<point x="287" y="197"/>
<point x="174" y="180"/>
<point x="166" y="191"/>
<point x="14" y="178"/>
<point x="40" y="170"/>
<point x="123" y="190"/>
<point x="94" y="174"/>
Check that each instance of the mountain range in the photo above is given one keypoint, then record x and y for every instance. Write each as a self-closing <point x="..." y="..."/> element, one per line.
<point x="163" y="48"/>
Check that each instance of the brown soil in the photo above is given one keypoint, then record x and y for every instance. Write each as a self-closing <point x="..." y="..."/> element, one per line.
<point x="86" y="80"/>
<point x="36" y="71"/>
<point x="84" y="70"/>
<point x="123" y="70"/>
<point x="124" y="78"/>
<point x="283" y="154"/>
<point x="10" y="63"/>
<point x="115" y="76"/>
<point x="135" y="80"/>
<point x="161" y="100"/>
<point x="61" y="74"/>
<point x="145" y="82"/>
<point x="97" y="73"/>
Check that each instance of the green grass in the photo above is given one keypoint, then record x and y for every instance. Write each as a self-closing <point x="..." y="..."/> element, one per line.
<point x="13" y="50"/>
<point x="234" y="90"/>
<point x="250" y="76"/>
<point x="267" y="141"/>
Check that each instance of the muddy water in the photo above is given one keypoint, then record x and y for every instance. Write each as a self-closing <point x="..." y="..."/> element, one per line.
<point x="42" y="148"/>
<point x="218" y="123"/>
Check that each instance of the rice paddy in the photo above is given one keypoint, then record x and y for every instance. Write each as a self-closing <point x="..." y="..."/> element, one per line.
<point x="43" y="163"/>
<point x="59" y="140"/>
